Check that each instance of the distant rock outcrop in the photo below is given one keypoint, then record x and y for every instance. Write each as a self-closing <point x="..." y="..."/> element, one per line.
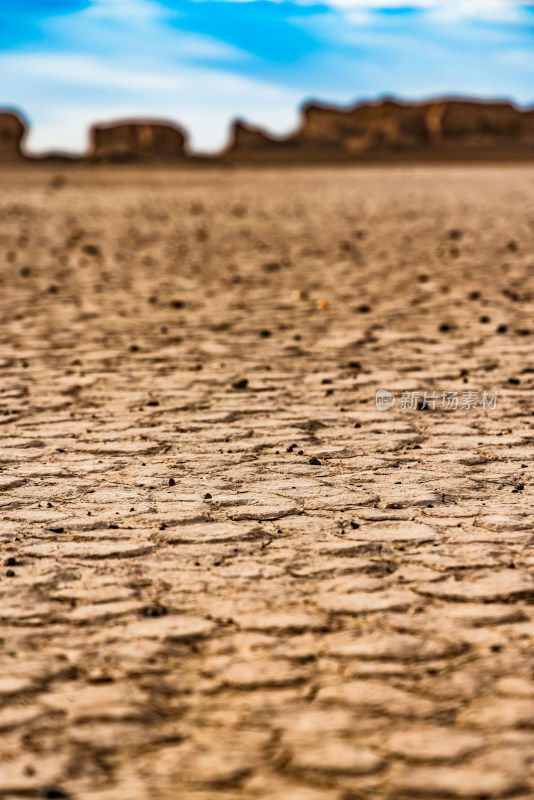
<point x="389" y="129"/>
<point x="137" y="140"/>
<point x="384" y="131"/>
<point x="12" y="133"/>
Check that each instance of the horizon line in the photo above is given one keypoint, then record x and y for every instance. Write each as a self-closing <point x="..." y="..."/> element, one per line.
<point x="310" y="101"/>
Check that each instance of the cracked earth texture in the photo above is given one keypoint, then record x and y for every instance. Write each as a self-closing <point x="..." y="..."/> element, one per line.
<point x="226" y="574"/>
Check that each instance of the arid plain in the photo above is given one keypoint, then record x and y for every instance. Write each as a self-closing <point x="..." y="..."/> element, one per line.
<point x="225" y="573"/>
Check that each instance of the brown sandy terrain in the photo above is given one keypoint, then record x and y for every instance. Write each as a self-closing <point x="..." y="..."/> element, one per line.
<point x="225" y="573"/>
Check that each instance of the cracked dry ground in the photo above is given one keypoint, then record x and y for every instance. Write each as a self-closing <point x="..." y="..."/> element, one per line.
<point x="261" y="626"/>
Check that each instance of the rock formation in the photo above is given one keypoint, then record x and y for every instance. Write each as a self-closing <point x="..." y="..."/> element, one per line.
<point x="387" y="130"/>
<point x="390" y="129"/>
<point x="12" y="133"/>
<point x="137" y="140"/>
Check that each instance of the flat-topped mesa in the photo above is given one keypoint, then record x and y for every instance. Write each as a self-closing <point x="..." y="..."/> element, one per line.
<point x="12" y="133"/>
<point x="137" y="140"/>
<point x="364" y="128"/>
<point x="493" y="125"/>
<point x="389" y="129"/>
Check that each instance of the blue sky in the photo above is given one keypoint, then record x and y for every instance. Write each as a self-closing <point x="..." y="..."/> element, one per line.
<point x="68" y="63"/>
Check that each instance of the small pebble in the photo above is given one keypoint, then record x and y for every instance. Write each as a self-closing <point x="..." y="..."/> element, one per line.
<point x="52" y="792"/>
<point x="155" y="611"/>
<point x="57" y="182"/>
<point x="91" y="250"/>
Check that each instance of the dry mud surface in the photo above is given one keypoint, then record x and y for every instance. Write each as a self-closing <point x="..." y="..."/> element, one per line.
<point x="225" y="573"/>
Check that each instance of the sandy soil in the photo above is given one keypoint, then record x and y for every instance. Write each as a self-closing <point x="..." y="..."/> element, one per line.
<point x="225" y="573"/>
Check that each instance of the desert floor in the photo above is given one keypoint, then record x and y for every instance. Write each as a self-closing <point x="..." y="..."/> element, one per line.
<point x="225" y="573"/>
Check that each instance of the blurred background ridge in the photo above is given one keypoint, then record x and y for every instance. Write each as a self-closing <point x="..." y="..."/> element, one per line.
<point x="442" y="129"/>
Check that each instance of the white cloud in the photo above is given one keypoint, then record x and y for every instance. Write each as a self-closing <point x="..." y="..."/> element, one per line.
<point x="445" y="10"/>
<point x="135" y="29"/>
<point x="140" y="10"/>
<point x="66" y="69"/>
<point x="150" y="11"/>
<point x="462" y="7"/>
<point x="496" y="10"/>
